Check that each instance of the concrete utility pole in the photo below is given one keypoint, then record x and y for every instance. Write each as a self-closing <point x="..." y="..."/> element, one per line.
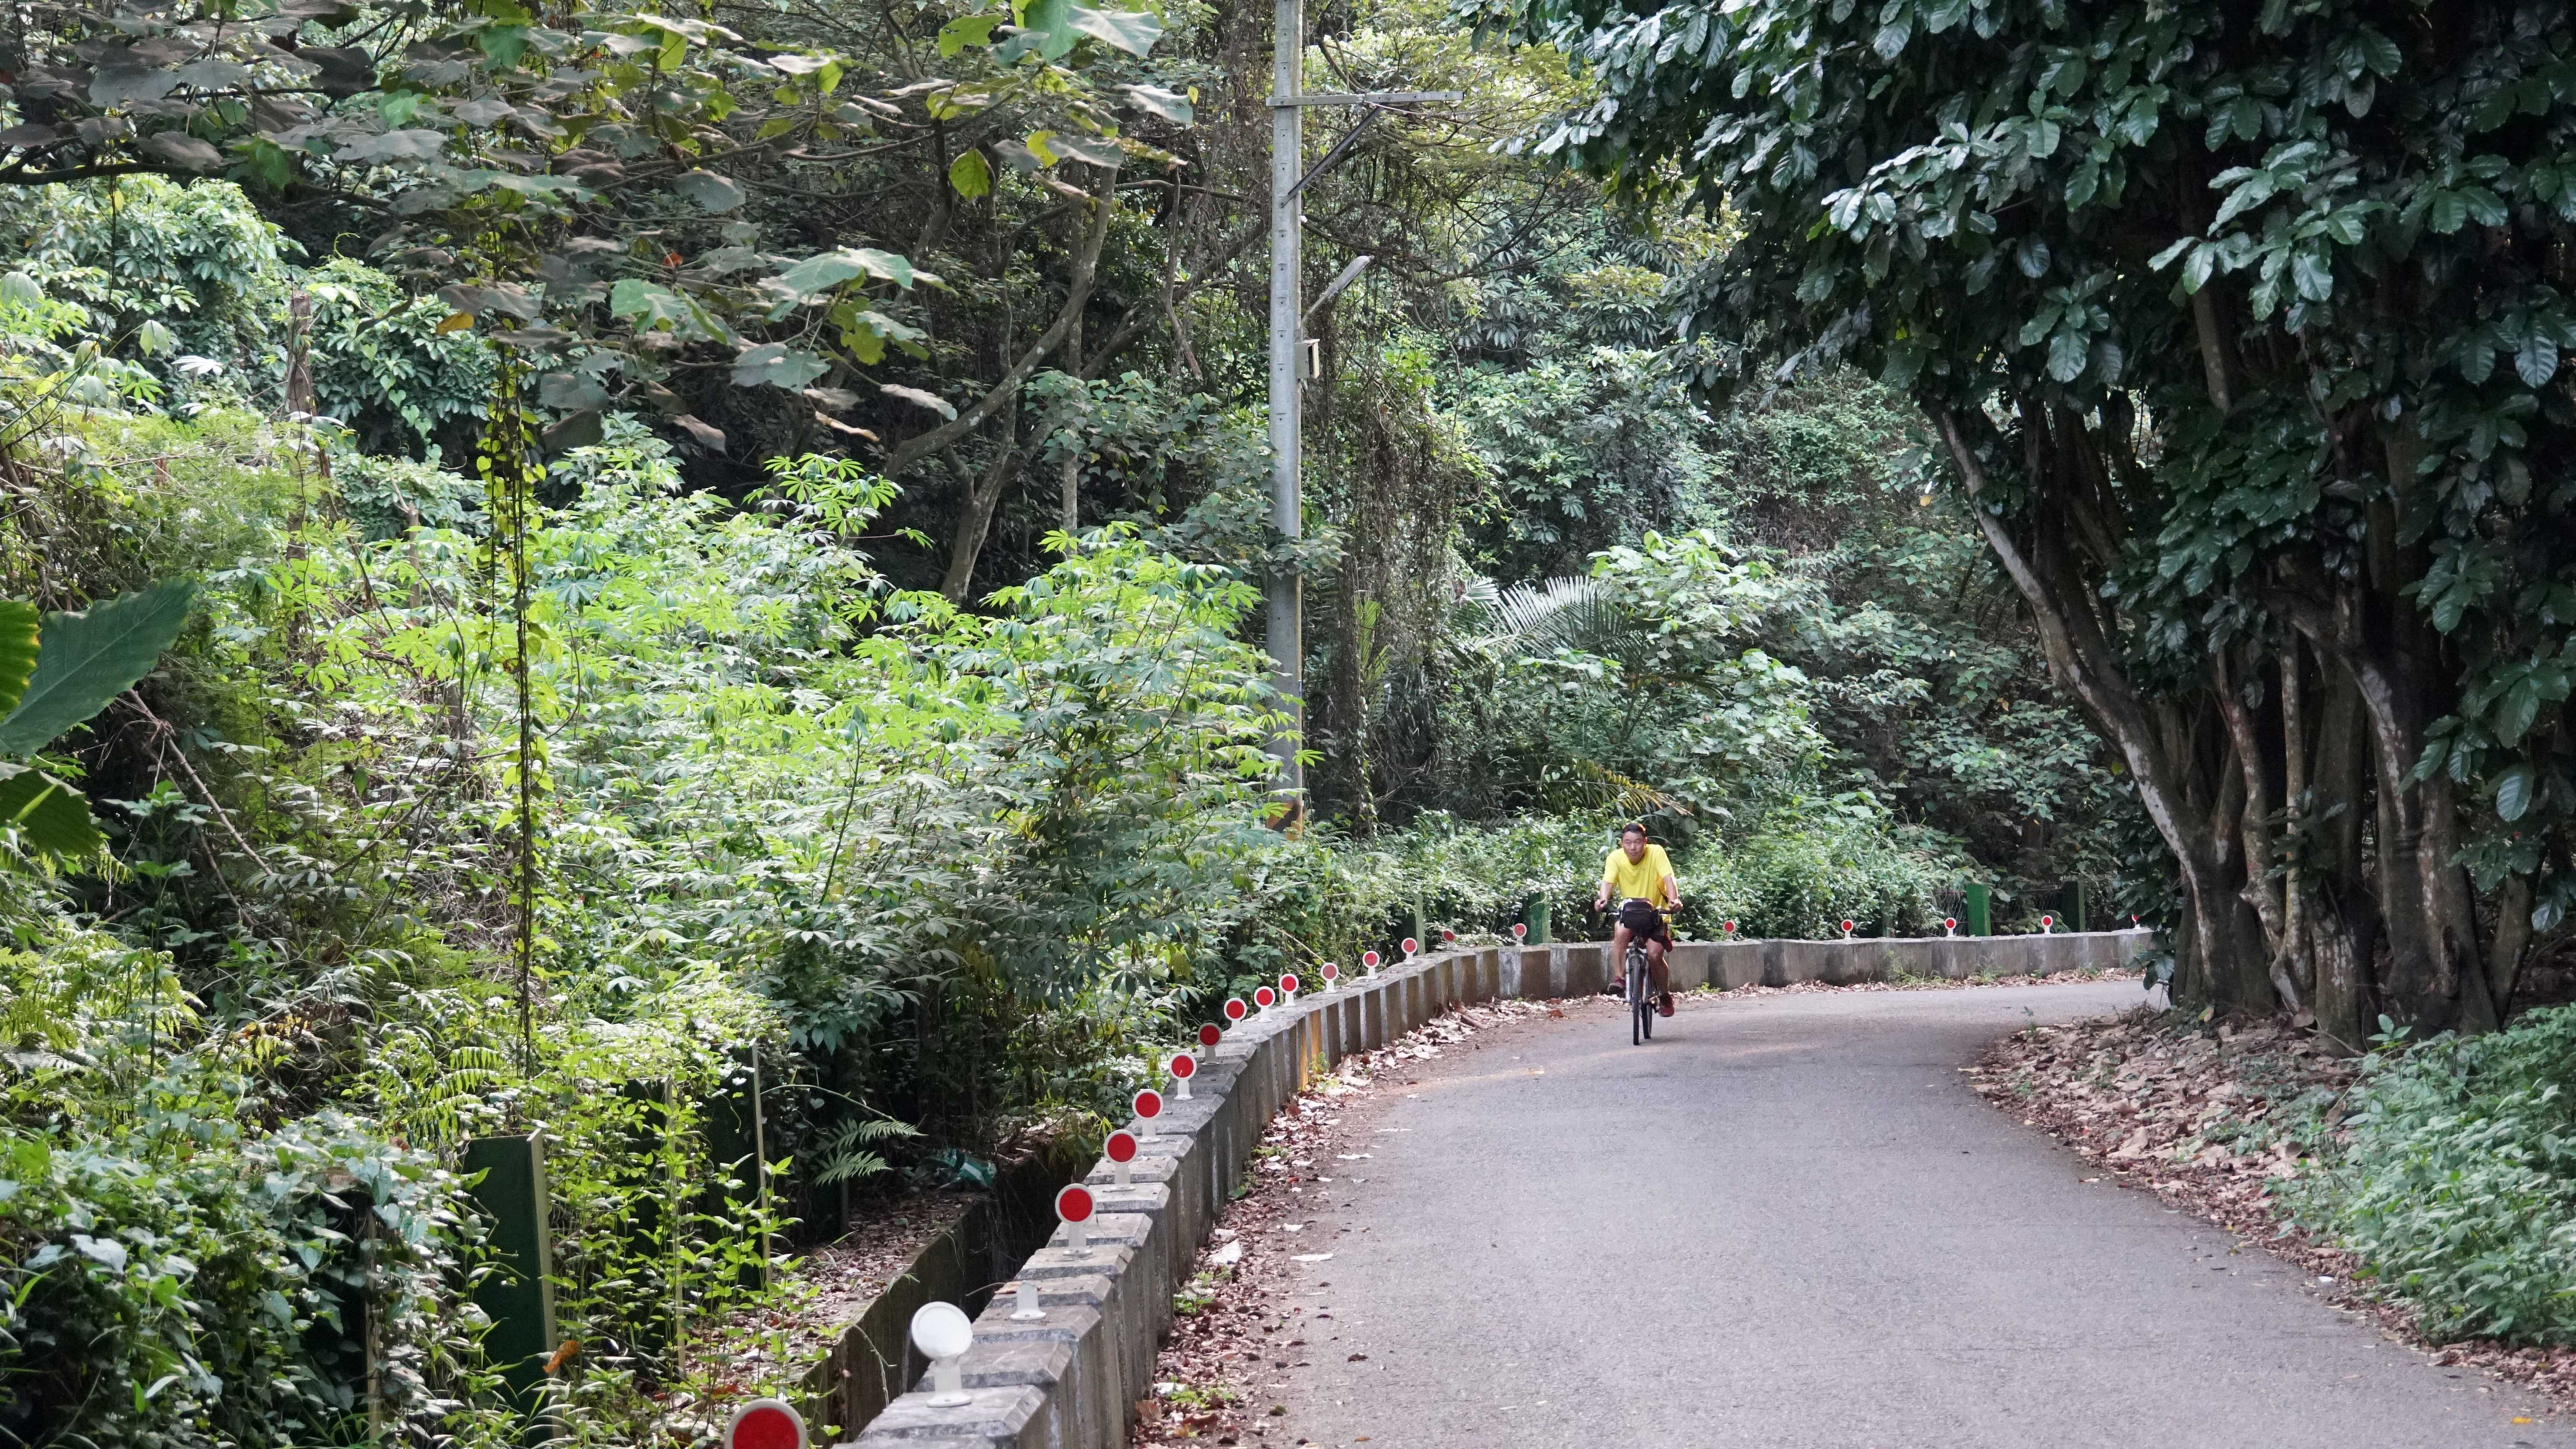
<point x="1287" y="340"/>
<point x="1288" y="178"/>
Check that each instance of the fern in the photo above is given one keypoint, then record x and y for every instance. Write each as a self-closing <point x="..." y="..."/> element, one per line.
<point x="845" y="1156"/>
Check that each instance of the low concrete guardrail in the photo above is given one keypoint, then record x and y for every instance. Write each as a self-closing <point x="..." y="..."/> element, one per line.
<point x="1072" y="1379"/>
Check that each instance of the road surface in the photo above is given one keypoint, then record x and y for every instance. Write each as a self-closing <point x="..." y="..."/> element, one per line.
<point x="1788" y="1222"/>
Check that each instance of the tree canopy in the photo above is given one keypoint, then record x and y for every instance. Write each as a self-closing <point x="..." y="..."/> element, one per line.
<point x="2240" y="326"/>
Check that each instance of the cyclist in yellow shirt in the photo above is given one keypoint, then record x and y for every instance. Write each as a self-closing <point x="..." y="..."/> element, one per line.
<point x="1641" y="875"/>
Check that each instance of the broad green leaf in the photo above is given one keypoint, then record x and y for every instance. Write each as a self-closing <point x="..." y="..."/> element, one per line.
<point x="2514" y="790"/>
<point x="1050" y="23"/>
<point x="826" y="270"/>
<point x="1133" y="31"/>
<point x="50" y="817"/>
<point x="966" y="30"/>
<point x="2536" y="360"/>
<point x="128" y="81"/>
<point x="2164" y="259"/>
<point x="971" y="175"/>
<point x="2310" y="273"/>
<point x="648" y="306"/>
<point x="2450" y="212"/>
<point x="570" y="391"/>
<point x="1170" y="105"/>
<point x="777" y="365"/>
<point x="1098" y="152"/>
<point x="2195" y="272"/>
<point x="17" y="289"/>
<point x="708" y="190"/>
<point x="2515" y="713"/>
<point x="86" y="659"/>
<point x="579" y="430"/>
<point x="2066" y="352"/>
<point x="413" y="145"/>
<point x="2379" y="52"/>
<point x="17" y="651"/>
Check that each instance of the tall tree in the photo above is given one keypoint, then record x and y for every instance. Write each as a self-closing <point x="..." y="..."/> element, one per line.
<point x="2241" y="325"/>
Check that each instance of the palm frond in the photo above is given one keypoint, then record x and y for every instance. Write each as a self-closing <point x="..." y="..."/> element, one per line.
<point x="1587" y="785"/>
<point x="1525" y="618"/>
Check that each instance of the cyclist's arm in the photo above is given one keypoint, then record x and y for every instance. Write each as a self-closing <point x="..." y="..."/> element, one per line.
<point x="1672" y="892"/>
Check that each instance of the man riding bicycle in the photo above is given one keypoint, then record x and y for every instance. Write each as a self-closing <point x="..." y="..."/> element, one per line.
<point x="1639" y="873"/>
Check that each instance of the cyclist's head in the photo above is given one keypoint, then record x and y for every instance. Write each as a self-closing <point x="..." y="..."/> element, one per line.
<point x="1632" y="836"/>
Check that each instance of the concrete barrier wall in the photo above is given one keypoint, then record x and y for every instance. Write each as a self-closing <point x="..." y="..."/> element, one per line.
<point x="1071" y="1380"/>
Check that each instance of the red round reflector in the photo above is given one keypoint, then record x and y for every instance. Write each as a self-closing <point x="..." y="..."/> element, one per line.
<point x="765" y="1424"/>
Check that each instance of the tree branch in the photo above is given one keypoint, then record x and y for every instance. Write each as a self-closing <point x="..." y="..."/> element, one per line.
<point x="1086" y="265"/>
<point x="1139" y="317"/>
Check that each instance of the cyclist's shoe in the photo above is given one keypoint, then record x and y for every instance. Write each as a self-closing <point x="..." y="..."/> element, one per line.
<point x="1616" y="988"/>
<point x="1665" y="1004"/>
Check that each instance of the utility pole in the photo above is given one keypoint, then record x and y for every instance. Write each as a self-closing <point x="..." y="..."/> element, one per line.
<point x="1288" y="178"/>
<point x="1287" y="341"/>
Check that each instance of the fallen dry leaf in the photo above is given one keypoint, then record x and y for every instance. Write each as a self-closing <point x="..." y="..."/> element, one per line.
<point x="2139" y="1094"/>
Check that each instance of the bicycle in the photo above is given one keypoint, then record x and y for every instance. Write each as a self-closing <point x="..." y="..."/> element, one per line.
<point x="1641" y="989"/>
<point x="1641" y="996"/>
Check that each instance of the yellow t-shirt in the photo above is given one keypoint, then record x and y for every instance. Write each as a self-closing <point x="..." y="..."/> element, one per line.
<point x="1639" y="879"/>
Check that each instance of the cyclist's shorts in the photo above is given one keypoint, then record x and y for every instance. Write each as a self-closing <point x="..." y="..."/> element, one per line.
<point x="1644" y="922"/>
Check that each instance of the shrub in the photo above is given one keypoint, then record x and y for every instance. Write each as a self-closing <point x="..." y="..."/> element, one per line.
<point x="2457" y="1185"/>
<point x="174" y="1273"/>
<point x="1803" y="879"/>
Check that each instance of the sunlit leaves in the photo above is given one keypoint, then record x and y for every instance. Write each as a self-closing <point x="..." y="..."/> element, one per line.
<point x="966" y="30"/>
<point x="826" y="270"/>
<point x="87" y="658"/>
<point x="1169" y="105"/>
<point x="1133" y="31"/>
<point x="48" y="817"/>
<point x="971" y="175"/>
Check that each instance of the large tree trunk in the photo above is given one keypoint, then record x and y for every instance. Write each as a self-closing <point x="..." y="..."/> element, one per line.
<point x="2220" y="962"/>
<point x="2335" y="899"/>
<point x="975" y="520"/>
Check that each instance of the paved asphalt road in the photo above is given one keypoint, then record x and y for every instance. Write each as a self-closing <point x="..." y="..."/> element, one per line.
<point x="1822" y="1238"/>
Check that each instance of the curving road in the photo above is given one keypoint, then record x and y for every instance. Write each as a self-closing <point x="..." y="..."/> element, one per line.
<point x="1787" y="1222"/>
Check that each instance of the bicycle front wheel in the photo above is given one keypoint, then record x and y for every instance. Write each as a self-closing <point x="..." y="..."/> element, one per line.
<point x="1641" y="999"/>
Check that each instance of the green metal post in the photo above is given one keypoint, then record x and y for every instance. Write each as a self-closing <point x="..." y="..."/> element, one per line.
<point x="519" y="1295"/>
<point x="2078" y="918"/>
<point x="1979" y="909"/>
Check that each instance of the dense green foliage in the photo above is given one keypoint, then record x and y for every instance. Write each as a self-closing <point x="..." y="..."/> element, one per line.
<point x="715" y="553"/>
<point x="2240" y="328"/>
<point x="2457" y="1184"/>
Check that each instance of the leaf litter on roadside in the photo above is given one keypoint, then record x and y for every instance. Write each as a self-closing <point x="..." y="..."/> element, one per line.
<point x="2222" y="1122"/>
<point x="1233" y="1332"/>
